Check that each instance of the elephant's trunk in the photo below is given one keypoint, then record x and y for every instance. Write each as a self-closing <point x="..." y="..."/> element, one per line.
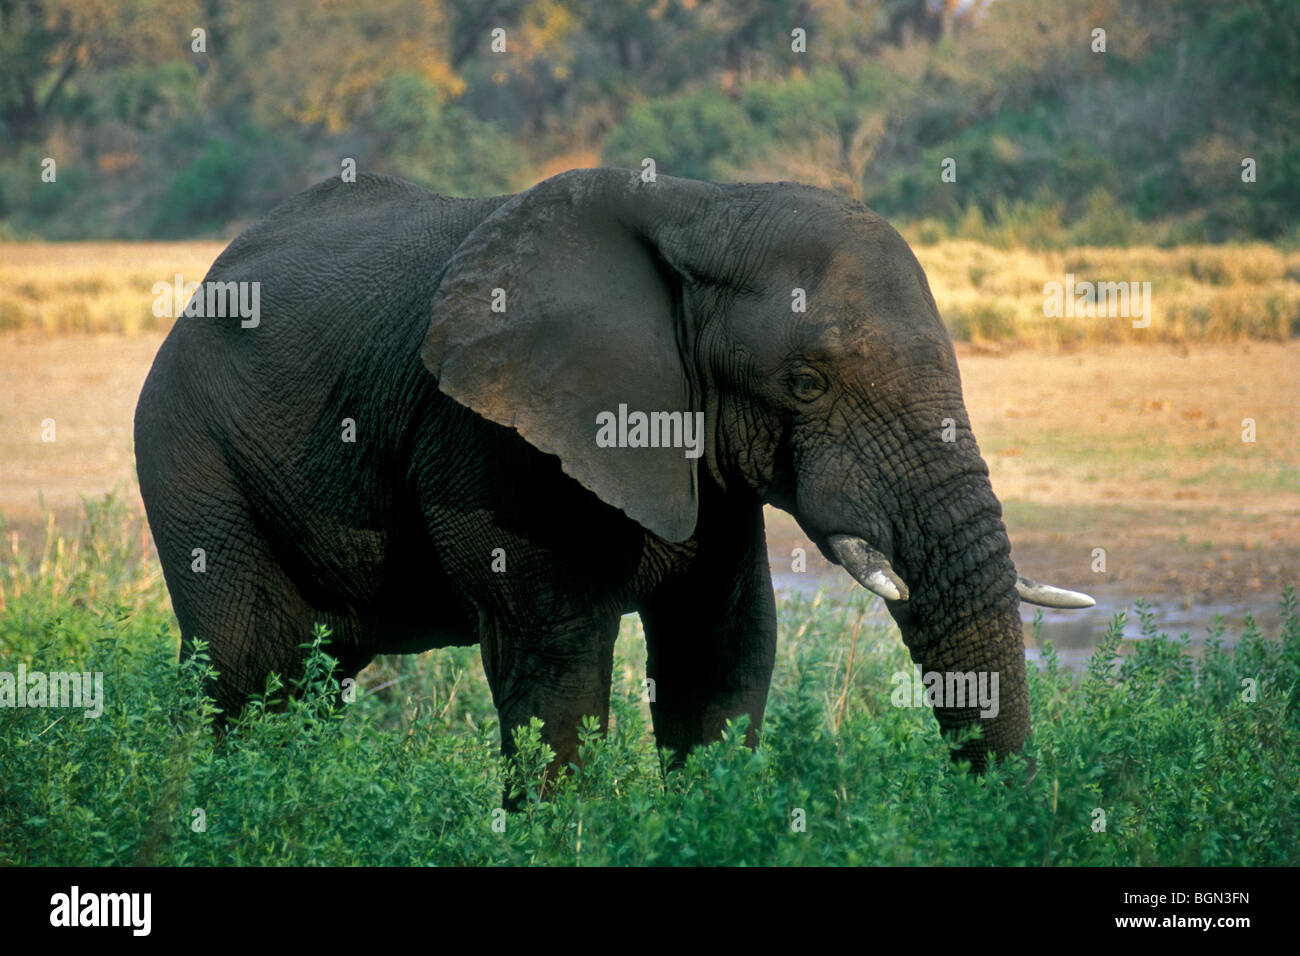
<point x="924" y="531"/>
<point x="961" y="622"/>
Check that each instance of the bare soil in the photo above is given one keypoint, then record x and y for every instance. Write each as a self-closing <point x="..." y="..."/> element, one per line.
<point x="1135" y="450"/>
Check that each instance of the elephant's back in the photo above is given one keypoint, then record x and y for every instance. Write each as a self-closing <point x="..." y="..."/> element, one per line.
<point x="338" y="275"/>
<point x="341" y="277"/>
<point x="332" y="262"/>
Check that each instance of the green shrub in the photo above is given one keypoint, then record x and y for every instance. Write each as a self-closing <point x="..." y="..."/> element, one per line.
<point x="440" y="145"/>
<point x="1186" y="759"/>
<point x="695" y="135"/>
<point x="204" y="194"/>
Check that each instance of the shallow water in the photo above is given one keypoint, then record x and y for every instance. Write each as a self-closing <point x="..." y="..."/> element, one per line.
<point x="1075" y="635"/>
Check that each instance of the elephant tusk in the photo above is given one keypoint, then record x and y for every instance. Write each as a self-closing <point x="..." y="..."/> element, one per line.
<point x="1045" y="595"/>
<point x="869" y="567"/>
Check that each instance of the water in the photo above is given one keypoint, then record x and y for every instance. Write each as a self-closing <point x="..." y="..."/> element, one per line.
<point x="1074" y="635"/>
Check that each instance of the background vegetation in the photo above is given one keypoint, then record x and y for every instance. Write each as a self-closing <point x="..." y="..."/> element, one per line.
<point x="1055" y="145"/>
<point x="989" y="293"/>
<point x="1186" y="767"/>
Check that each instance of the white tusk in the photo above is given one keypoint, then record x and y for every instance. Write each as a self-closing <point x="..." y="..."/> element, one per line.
<point x="868" y="566"/>
<point x="1044" y="595"/>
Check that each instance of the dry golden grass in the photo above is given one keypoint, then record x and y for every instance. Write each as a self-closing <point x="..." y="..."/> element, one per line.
<point x="93" y="286"/>
<point x="993" y="296"/>
<point x="988" y="296"/>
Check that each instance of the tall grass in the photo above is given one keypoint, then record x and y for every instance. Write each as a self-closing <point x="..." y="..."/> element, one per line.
<point x="1150" y="757"/>
<point x="989" y="291"/>
<point x="93" y="287"/>
<point x="992" y="295"/>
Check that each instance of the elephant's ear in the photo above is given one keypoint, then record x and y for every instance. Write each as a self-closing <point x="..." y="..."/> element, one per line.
<point x="557" y="310"/>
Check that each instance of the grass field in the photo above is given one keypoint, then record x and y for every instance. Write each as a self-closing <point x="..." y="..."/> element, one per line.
<point x="988" y="295"/>
<point x="1149" y="759"/>
<point x="994" y="297"/>
<point x="93" y="286"/>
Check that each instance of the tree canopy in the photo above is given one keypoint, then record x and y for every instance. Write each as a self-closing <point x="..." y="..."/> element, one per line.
<point x="1093" y="119"/>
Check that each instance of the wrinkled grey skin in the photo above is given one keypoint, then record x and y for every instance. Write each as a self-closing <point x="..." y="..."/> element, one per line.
<point x="475" y="430"/>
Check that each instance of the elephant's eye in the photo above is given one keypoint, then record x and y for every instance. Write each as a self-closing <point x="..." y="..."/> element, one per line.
<point x="807" y="385"/>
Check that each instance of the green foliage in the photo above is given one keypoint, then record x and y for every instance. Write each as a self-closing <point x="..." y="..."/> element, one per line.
<point x="148" y="97"/>
<point x="1055" y="144"/>
<point x="223" y="178"/>
<point x="691" y="136"/>
<point x="1189" y="755"/>
<point x="27" y="202"/>
<point x="444" y="147"/>
<point x="202" y="193"/>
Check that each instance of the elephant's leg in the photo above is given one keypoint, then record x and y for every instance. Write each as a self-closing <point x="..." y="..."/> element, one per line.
<point x="229" y="590"/>
<point x="561" y="676"/>
<point x="711" y="641"/>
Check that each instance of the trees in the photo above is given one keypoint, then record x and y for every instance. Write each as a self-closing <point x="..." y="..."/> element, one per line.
<point x="475" y="96"/>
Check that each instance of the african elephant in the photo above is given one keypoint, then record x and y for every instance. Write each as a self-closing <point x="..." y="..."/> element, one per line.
<point x="510" y="421"/>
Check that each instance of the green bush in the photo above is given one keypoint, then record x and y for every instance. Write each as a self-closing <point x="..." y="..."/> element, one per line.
<point x="694" y="136"/>
<point x="27" y="202"/>
<point x="1186" y="759"/>
<point x="205" y="194"/>
<point x="440" y="145"/>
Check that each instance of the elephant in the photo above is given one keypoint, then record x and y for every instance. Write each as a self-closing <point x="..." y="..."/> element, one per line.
<point x="509" y="421"/>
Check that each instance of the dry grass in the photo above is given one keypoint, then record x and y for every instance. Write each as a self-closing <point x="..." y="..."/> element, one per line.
<point x="992" y="296"/>
<point x="988" y="296"/>
<point x="93" y="286"/>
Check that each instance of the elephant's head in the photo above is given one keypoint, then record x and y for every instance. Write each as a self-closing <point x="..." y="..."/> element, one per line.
<point x="802" y="327"/>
